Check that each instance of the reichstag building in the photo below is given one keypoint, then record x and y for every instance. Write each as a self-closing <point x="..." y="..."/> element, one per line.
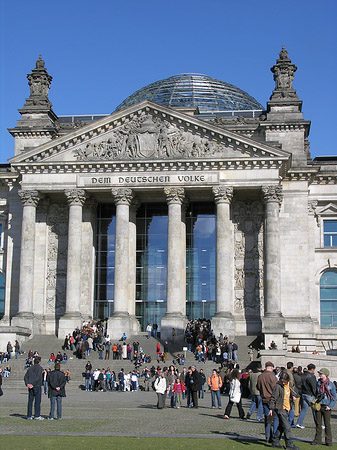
<point x="190" y="200"/>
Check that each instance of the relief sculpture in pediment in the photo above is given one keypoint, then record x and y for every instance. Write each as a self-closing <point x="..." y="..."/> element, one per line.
<point x="149" y="137"/>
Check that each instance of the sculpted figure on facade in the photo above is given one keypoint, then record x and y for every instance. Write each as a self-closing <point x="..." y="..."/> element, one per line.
<point x="150" y="137"/>
<point x="57" y="223"/>
<point x="284" y="72"/>
<point x="248" y="260"/>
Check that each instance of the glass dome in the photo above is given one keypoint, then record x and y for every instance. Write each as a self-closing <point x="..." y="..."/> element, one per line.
<point x="194" y="90"/>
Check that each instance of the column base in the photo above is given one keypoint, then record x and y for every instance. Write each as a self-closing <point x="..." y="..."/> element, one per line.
<point x="135" y="325"/>
<point x="223" y="323"/>
<point x="24" y="320"/>
<point x="118" y="324"/>
<point x="173" y="320"/>
<point x="273" y="328"/>
<point x="67" y="324"/>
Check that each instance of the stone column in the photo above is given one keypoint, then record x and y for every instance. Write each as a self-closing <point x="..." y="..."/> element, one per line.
<point x="72" y="317"/>
<point x="273" y="322"/>
<point x="223" y="320"/>
<point x="120" y="320"/>
<point x="132" y="265"/>
<point x="176" y="280"/>
<point x="25" y="315"/>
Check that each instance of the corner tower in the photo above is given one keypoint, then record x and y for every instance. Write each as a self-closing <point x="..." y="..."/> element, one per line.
<point x="37" y="124"/>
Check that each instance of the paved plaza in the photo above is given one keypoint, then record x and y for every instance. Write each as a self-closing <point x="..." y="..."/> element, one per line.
<point x="135" y="414"/>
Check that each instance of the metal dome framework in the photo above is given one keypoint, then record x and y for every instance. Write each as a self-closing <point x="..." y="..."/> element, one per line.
<point x="194" y="90"/>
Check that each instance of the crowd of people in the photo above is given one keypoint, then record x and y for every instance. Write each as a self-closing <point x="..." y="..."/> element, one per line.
<point x="281" y="396"/>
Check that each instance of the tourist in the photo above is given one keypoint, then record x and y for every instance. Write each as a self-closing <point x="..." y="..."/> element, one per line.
<point x="265" y="384"/>
<point x="327" y="391"/>
<point x="87" y="380"/>
<point x="195" y="385"/>
<point x="280" y="403"/>
<point x="149" y="330"/>
<point x="33" y="380"/>
<point x="160" y="386"/>
<point x="56" y="390"/>
<point x="256" y="399"/>
<point x="309" y="389"/>
<point x="201" y="392"/>
<point x="178" y="390"/>
<point x="215" y="383"/>
<point x="234" y="395"/>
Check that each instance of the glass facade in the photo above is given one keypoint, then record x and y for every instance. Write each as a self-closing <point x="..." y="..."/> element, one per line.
<point x="328" y="295"/>
<point x="151" y="261"/>
<point x="105" y="261"/>
<point x="200" y="260"/>
<point x="2" y="295"/>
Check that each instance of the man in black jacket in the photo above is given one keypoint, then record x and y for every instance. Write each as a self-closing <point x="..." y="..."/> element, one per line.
<point x="309" y="386"/>
<point x="34" y="379"/>
<point x="195" y="385"/>
<point x="56" y="384"/>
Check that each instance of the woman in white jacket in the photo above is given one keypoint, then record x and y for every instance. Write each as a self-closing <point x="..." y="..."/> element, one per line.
<point x="234" y="395"/>
<point x="160" y="387"/>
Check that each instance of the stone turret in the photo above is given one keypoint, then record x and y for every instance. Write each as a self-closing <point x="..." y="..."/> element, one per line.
<point x="284" y="120"/>
<point x="37" y="124"/>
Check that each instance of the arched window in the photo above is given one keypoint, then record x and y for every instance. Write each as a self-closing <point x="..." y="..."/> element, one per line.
<point x="2" y="295"/>
<point x="328" y="296"/>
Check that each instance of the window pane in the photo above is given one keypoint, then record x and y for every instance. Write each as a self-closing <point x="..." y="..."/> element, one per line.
<point x="328" y="296"/>
<point x="330" y="225"/>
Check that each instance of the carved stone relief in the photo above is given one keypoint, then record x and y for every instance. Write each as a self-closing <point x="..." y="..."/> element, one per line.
<point x="248" y="258"/>
<point x="152" y="137"/>
<point x="57" y="222"/>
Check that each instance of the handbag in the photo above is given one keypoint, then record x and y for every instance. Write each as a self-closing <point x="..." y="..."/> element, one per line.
<point x="316" y="402"/>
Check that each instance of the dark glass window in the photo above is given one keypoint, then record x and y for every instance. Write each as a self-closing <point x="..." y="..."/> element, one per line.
<point x="200" y="260"/>
<point x="328" y="294"/>
<point x="105" y="261"/>
<point x="151" y="262"/>
<point x="330" y="233"/>
<point x="2" y="295"/>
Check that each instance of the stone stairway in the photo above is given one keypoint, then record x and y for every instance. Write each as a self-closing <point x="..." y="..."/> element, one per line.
<point x="47" y="344"/>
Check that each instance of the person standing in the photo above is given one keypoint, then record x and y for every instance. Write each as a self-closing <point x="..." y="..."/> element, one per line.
<point x="327" y="390"/>
<point x="56" y="390"/>
<point x="265" y="384"/>
<point x="281" y="401"/>
<point x="166" y="350"/>
<point x="215" y="383"/>
<point x="195" y="385"/>
<point x="309" y="388"/>
<point x="160" y="387"/>
<point x="234" y="395"/>
<point x="155" y="329"/>
<point x="255" y="394"/>
<point x="33" y="380"/>
<point x="17" y="349"/>
<point x="149" y="330"/>
<point x="9" y="350"/>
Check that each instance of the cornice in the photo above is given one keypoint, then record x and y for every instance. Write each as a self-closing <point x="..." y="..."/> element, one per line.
<point x="152" y="166"/>
<point x="285" y="126"/>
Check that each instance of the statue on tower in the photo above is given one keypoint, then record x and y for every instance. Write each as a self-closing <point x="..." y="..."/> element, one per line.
<point x="283" y="72"/>
<point x="39" y="82"/>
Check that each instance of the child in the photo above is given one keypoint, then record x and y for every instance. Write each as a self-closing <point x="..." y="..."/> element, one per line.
<point x="178" y="389"/>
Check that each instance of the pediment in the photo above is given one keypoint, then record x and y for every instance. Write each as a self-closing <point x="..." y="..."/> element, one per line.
<point x="148" y="132"/>
<point x="327" y="210"/>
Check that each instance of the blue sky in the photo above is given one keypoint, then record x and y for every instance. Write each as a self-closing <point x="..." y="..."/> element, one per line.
<point x="100" y="52"/>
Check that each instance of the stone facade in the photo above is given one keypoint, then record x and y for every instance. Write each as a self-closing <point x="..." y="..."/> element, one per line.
<point x="271" y="201"/>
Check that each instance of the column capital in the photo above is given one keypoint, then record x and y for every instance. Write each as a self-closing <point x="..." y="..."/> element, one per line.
<point x="75" y="196"/>
<point x="122" y="196"/>
<point x="29" y="198"/>
<point x="272" y="194"/>
<point x="222" y="194"/>
<point x="174" y="195"/>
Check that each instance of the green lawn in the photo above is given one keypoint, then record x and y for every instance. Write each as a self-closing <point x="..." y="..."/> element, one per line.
<point x="130" y="443"/>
